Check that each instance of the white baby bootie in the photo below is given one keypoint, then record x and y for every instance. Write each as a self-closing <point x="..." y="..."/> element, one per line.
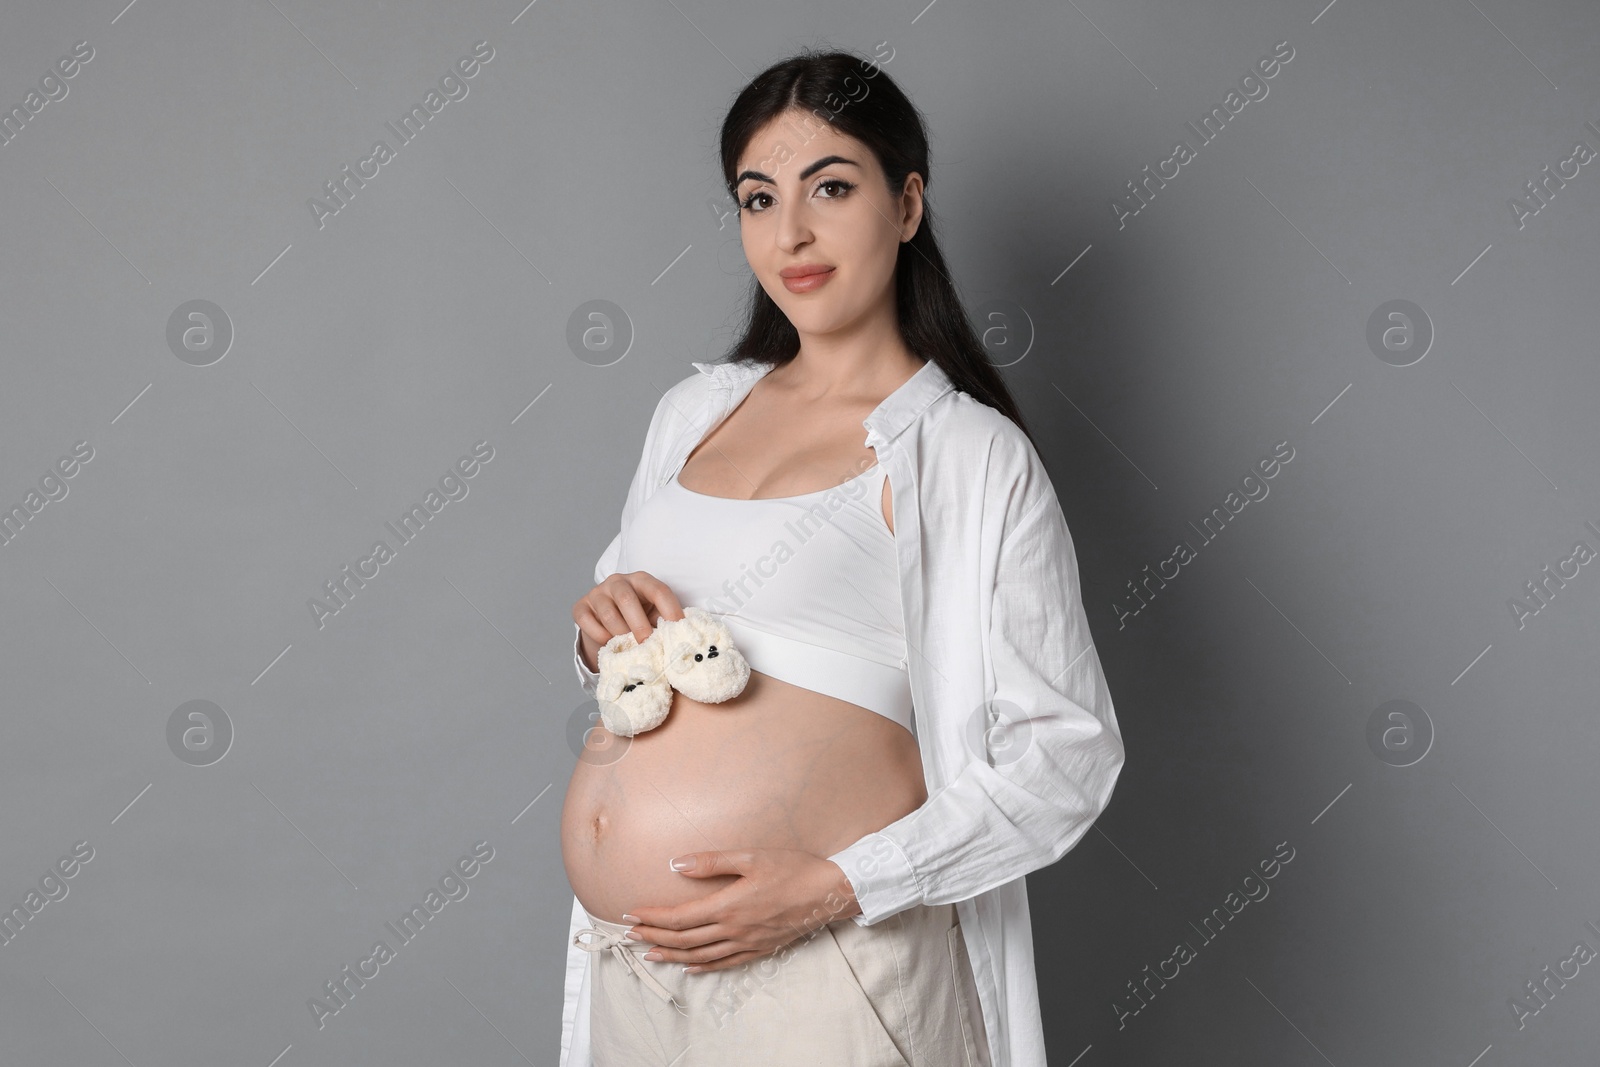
<point x="633" y="692"/>
<point x="700" y="660"/>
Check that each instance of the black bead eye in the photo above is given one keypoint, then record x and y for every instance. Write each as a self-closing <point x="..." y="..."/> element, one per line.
<point x="698" y="657"/>
<point x="629" y="687"/>
<point x="713" y="649"/>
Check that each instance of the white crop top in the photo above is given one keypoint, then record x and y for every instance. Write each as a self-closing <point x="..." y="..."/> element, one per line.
<point x="807" y="585"/>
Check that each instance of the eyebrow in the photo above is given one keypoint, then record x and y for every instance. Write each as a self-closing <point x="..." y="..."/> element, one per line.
<point x="808" y="172"/>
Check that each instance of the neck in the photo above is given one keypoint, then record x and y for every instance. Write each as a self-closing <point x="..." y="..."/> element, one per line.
<point x="869" y="363"/>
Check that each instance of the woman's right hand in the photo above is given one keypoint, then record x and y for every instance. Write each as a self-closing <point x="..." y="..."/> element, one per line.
<point x="623" y="603"/>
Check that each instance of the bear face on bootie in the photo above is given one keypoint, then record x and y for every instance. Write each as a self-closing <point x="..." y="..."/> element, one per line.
<point x="633" y="692"/>
<point x="694" y="655"/>
<point x="701" y="662"/>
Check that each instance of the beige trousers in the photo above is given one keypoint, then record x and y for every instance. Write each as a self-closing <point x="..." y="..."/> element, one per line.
<point x="898" y="993"/>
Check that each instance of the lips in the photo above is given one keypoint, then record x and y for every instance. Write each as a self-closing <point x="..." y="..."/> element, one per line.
<point x="803" y="270"/>
<point x="805" y="278"/>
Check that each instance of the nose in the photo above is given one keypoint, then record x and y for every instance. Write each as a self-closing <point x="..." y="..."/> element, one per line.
<point x="794" y="227"/>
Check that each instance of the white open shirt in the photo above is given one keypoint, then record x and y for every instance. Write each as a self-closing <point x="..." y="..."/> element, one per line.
<point x="1020" y="745"/>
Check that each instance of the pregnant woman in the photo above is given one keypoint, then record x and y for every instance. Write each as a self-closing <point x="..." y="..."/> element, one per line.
<point x="828" y="869"/>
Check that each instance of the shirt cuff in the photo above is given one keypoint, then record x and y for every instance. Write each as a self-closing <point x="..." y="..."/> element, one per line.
<point x="587" y="679"/>
<point x="881" y="876"/>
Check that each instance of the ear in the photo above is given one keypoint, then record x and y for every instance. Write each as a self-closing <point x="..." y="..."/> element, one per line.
<point x="655" y="648"/>
<point x="714" y="630"/>
<point x="911" y="206"/>
<point x="675" y="633"/>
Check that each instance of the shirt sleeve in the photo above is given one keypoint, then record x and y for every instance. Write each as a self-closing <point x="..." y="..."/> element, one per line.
<point x="1050" y="756"/>
<point x="670" y="410"/>
<point x="589" y="680"/>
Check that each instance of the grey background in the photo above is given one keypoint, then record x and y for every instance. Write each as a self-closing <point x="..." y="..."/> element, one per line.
<point x="432" y="312"/>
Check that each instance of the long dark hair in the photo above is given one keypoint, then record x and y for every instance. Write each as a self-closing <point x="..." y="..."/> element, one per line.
<point x="861" y="101"/>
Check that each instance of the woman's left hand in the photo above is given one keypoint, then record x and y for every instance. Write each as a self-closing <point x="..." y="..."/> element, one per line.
<point x="778" y="895"/>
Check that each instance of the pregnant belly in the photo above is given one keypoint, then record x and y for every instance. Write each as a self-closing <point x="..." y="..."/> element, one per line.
<point x="776" y="767"/>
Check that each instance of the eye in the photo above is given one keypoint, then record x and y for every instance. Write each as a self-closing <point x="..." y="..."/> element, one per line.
<point x="843" y="187"/>
<point x="629" y="687"/>
<point x="841" y="183"/>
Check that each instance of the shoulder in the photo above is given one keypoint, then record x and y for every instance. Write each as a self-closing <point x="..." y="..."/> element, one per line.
<point x="686" y="397"/>
<point x="958" y="420"/>
<point x="964" y="438"/>
<point x="680" y="405"/>
<point x="685" y="406"/>
<point x="689" y="399"/>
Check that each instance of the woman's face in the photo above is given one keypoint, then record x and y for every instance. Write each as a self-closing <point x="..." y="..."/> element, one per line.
<point x="812" y="197"/>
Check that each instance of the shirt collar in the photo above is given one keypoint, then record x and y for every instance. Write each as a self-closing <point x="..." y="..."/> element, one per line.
<point x="899" y="409"/>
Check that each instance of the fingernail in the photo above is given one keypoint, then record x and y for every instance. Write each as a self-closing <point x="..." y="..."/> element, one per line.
<point x="682" y="864"/>
<point x="634" y="936"/>
<point x="691" y="970"/>
<point x="652" y="955"/>
<point x="629" y="918"/>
